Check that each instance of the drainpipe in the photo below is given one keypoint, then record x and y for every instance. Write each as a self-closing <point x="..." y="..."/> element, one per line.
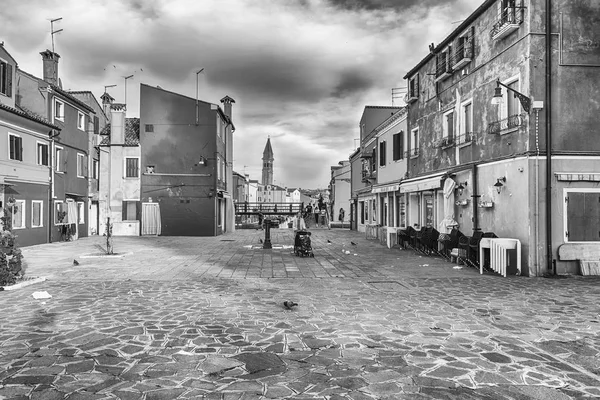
<point x="549" y="137"/>
<point x="475" y="199"/>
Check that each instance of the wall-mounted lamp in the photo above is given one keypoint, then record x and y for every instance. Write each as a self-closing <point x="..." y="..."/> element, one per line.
<point x="202" y="161"/>
<point x="497" y="99"/>
<point x="498" y="185"/>
<point x="461" y="186"/>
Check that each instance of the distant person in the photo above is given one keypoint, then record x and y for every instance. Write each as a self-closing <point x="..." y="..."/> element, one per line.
<point x="261" y="217"/>
<point x="317" y="215"/>
<point x="342" y="214"/>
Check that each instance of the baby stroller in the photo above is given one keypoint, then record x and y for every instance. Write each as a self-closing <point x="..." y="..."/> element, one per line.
<point x="302" y="246"/>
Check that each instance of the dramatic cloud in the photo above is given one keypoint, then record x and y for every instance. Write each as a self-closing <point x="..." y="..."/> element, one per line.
<point x="300" y="71"/>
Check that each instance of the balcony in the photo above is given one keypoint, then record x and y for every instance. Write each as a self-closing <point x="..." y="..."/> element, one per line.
<point x="507" y="124"/>
<point x="463" y="54"/>
<point x="368" y="175"/>
<point x="413" y="91"/>
<point x="443" y="69"/>
<point x="411" y="97"/>
<point x="509" y="21"/>
<point x="464" y="138"/>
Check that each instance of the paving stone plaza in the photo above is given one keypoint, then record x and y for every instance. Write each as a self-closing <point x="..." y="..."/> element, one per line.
<point x="202" y="318"/>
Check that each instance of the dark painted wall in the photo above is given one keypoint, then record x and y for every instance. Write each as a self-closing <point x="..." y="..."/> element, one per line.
<point x="187" y="201"/>
<point x="28" y="192"/>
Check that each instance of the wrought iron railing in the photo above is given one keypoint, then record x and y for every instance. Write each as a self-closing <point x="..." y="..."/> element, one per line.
<point x="510" y="16"/>
<point x="463" y="52"/>
<point x="446" y="142"/>
<point x="512" y="122"/>
<point x="443" y="65"/>
<point x="463" y="138"/>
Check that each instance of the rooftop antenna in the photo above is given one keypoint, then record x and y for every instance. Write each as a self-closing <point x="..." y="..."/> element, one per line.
<point x="108" y="86"/>
<point x="52" y="32"/>
<point x="197" y="73"/>
<point x="126" y="77"/>
<point x="397" y="93"/>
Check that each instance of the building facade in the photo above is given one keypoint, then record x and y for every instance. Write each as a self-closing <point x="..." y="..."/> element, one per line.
<point x="69" y="150"/>
<point x="25" y="167"/>
<point x="119" y="200"/>
<point x="186" y="162"/>
<point x="339" y="188"/>
<point x="526" y="166"/>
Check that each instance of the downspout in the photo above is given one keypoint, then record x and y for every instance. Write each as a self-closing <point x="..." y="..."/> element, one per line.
<point x="549" y="137"/>
<point x="474" y="200"/>
<point x="537" y="194"/>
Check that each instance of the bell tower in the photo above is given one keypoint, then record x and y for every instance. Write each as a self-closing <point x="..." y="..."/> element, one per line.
<point x="267" y="168"/>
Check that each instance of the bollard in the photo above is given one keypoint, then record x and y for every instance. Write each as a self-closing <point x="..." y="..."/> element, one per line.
<point x="267" y="243"/>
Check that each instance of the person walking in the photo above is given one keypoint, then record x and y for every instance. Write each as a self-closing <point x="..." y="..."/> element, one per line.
<point x="317" y="215"/>
<point x="342" y="214"/>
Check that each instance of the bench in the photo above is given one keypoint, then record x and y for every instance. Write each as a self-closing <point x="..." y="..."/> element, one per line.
<point x="588" y="255"/>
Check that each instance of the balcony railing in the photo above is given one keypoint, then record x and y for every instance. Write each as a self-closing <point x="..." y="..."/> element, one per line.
<point x="463" y="53"/>
<point x="509" y="21"/>
<point x="446" y="142"/>
<point x="464" y="138"/>
<point x="443" y="69"/>
<point x="413" y="91"/>
<point x="506" y="124"/>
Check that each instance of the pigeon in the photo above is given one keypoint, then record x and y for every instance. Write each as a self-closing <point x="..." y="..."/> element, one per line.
<point x="260" y="240"/>
<point x="353" y="244"/>
<point x="75" y="262"/>
<point x="328" y="241"/>
<point x="289" y="304"/>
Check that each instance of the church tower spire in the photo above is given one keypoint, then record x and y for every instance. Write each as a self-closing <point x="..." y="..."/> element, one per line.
<point x="267" y="169"/>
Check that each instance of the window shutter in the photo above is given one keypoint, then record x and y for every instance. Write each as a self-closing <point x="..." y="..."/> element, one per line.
<point x="85" y="166"/>
<point x="20" y="149"/>
<point x="9" y="80"/>
<point x="124" y="211"/>
<point x="12" y="147"/>
<point x="401" y="144"/>
<point x="395" y="146"/>
<point x="96" y="125"/>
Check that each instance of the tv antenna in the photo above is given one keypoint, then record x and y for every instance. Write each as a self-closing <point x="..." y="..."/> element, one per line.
<point x="108" y="86"/>
<point x="397" y="93"/>
<point x="52" y="31"/>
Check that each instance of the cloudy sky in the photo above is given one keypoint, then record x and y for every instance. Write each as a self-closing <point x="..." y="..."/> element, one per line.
<point x="301" y="71"/>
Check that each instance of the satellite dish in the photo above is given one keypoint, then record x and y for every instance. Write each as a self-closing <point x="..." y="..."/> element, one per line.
<point x="60" y="83"/>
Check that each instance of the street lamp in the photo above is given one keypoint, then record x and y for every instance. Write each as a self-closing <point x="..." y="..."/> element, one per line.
<point x="497" y="99"/>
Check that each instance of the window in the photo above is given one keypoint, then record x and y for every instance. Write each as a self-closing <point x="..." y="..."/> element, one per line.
<point x="18" y="214"/>
<point x="81" y="212"/>
<point x="374" y="161"/>
<point x="398" y="142"/>
<point x="582" y="215"/>
<point x="5" y="78"/>
<point x="80" y="121"/>
<point x="374" y="211"/>
<point x="466" y="126"/>
<point x="149" y="128"/>
<point x="365" y="207"/>
<point x="96" y="125"/>
<point x="464" y="49"/>
<point x="59" y="110"/>
<point x="60" y="213"/>
<point x="442" y="62"/>
<point x="37" y="213"/>
<point x="413" y="89"/>
<point x="401" y="215"/>
<point x="42" y="153"/>
<point x="95" y="169"/>
<point x="428" y="202"/>
<point x="414" y="149"/>
<point x="448" y="127"/>
<point x="129" y="210"/>
<point x="59" y="159"/>
<point x="132" y="167"/>
<point x="15" y="147"/>
<point x="80" y="165"/>
<point x="382" y="154"/>
<point x="513" y="105"/>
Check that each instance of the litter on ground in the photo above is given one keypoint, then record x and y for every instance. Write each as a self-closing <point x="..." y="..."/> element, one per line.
<point x="41" y="295"/>
<point x="457" y="267"/>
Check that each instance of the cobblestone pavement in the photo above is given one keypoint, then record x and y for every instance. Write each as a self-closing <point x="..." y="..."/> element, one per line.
<point x="202" y="318"/>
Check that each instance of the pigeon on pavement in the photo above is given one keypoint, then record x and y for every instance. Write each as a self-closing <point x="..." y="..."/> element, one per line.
<point x="353" y="244"/>
<point x="289" y="304"/>
<point x="328" y="241"/>
<point x="75" y="262"/>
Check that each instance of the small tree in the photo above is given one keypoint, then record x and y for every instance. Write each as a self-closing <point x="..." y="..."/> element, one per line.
<point x="11" y="258"/>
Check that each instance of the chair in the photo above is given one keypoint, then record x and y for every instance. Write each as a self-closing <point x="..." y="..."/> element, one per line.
<point x="404" y="236"/>
<point x="449" y="241"/>
<point x="429" y="240"/>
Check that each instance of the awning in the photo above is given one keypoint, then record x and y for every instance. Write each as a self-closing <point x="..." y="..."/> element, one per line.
<point x="386" y="188"/>
<point x="421" y="185"/>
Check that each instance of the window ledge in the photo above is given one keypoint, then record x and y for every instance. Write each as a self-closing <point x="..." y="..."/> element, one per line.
<point x="507" y="131"/>
<point x="465" y="144"/>
<point x="59" y="172"/>
<point x="19" y="227"/>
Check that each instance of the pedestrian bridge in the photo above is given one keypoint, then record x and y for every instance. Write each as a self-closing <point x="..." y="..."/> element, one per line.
<point x="247" y="208"/>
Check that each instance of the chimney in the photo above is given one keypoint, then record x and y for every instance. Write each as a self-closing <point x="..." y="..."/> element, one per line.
<point x="227" y="101"/>
<point x="50" y="61"/>
<point x="107" y="101"/>
<point x="117" y="123"/>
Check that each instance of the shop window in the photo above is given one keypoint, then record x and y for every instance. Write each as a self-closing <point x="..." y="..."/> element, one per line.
<point x="582" y="211"/>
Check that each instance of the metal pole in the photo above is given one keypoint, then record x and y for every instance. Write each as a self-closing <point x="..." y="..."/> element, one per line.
<point x="549" y="136"/>
<point x="197" y="73"/>
<point x="126" y="77"/>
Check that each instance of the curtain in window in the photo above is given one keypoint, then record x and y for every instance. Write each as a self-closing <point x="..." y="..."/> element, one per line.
<point x="72" y="212"/>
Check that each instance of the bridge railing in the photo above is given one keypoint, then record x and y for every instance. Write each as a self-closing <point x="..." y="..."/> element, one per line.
<point x="247" y="208"/>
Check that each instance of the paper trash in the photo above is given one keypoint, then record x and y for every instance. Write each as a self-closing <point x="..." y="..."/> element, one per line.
<point x="41" y="295"/>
